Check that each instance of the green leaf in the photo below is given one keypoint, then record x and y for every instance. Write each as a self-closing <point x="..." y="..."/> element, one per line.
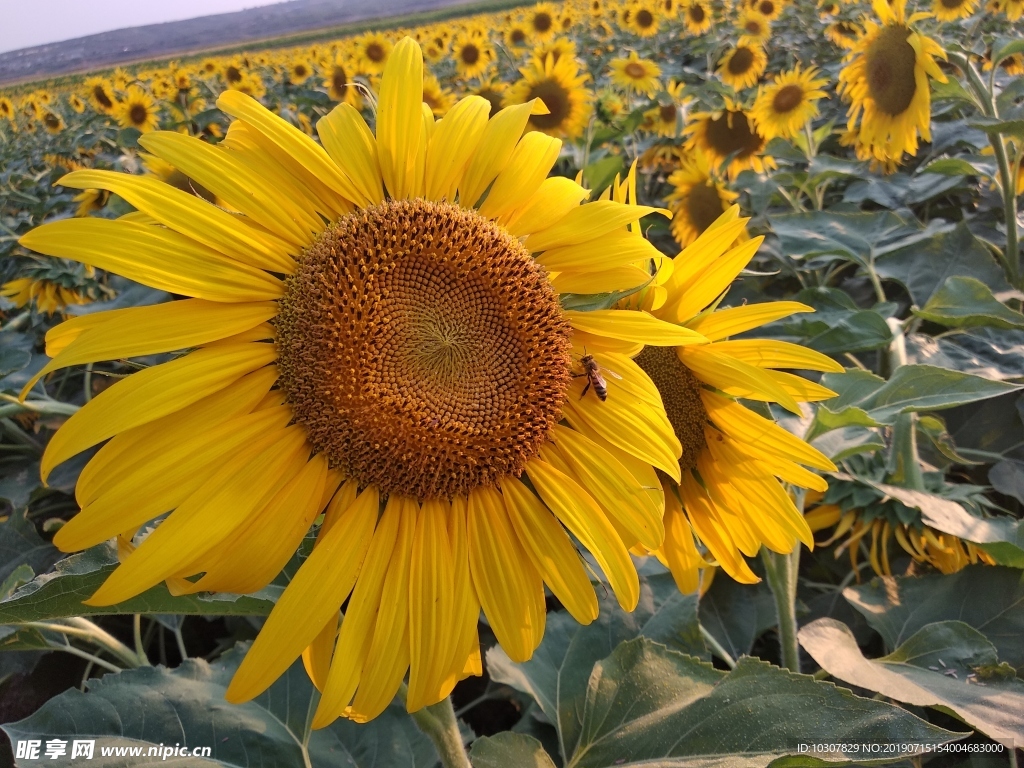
<point x="989" y="352"/>
<point x="20" y="545"/>
<point x="1007" y="477"/>
<point x="952" y="166"/>
<point x="737" y="614"/>
<point x="60" y="593"/>
<point x="966" y="302"/>
<point x="859" y="331"/>
<point x="155" y="705"/>
<point x="934" y="668"/>
<point x="924" y="267"/>
<point x="1001" y="537"/>
<point x="826" y="419"/>
<point x="849" y="441"/>
<point x="898" y="607"/>
<point x="927" y="388"/>
<point x="509" y="750"/>
<point x="934" y="428"/>
<point x="952" y="90"/>
<point x="15" y="352"/>
<point x="855" y="236"/>
<point x="648" y="705"/>
<point x="600" y="173"/>
<point x="992" y="125"/>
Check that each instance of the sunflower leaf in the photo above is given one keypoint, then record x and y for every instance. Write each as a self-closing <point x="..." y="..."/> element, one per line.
<point x="159" y="706"/>
<point x="966" y="302"/>
<point x="935" y="667"/>
<point x="509" y="750"/>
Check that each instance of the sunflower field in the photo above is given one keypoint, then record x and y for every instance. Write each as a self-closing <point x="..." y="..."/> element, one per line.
<point x="583" y="384"/>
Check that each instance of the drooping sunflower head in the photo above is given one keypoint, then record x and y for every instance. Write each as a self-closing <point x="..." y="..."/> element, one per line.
<point x="788" y="103"/>
<point x="843" y="33"/>
<point x="645" y="18"/>
<point x="137" y="110"/>
<point x="562" y="88"/>
<point x="728" y="133"/>
<point x="636" y="75"/>
<point x="697" y="199"/>
<point x="886" y="82"/>
<point x="741" y="66"/>
<point x="90" y="201"/>
<point x="6" y="108"/>
<point x="951" y="10"/>
<point x="100" y="94"/>
<point x="753" y="28"/>
<point x="373" y="329"/>
<point x="665" y="118"/>
<point x="697" y="16"/>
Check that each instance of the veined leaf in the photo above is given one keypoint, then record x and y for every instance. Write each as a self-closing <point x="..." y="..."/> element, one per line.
<point x="966" y="302"/>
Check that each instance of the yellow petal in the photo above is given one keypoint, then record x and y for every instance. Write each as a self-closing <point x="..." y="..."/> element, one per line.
<point x="315" y="593"/>
<point x="401" y="140"/>
<point x="679" y="549"/>
<point x="772" y="353"/>
<point x="633" y="325"/>
<point x="207" y="517"/>
<point x="709" y="284"/>
<point x="555" y="198"/>
<point x="152" y="393"/>
<point x="454" y="140"/>
<point x="499" y="140"/>
<point x="349" y="141"/>
<point x="153" y="256"/>
<point x="801" y="389"/>
<point x="529" y="165"/>
<point x="509" y="587"/>
<point x="233" y="182"/>
<point x="551" y="549"/>
<point x="431" y="609"/>
<point x="138" y="331"/>
<point x="712" y="533"/>
<point x="605" y="281"/>
<point x="734" y="377"/>
<point x="466" y="657"/>
<point x="580" y="514"/>
<point x="388" y="657"/>
<point x="192" y="216"/>
<point x="357" y="626"/>
<point x="723" y="323"/>
<point x="316" y="658"/>
<point x="291" y="141"/>
<point x="616" y="249"/>
<point x="588" y="222"/>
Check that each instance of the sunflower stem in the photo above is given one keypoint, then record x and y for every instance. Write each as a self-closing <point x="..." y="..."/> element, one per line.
<point x="781" y="572"/>
<point x="907" y="464"/>
<point x="438" y="721"/>
<point x="1008" y="182"/>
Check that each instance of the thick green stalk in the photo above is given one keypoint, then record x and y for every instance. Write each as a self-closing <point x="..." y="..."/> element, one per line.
<point x="907" y="463"/>
<point x="781" y="572"/>
<point x="438" y="721"/>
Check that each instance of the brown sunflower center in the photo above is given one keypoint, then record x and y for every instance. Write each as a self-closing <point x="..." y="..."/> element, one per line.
<point x="696" y="13"/>
<point x="787" y="98"/>
<point x="644" y="18"/>
<point x="99" y="93"/>
<point x="517" y="36"/>
<point x="375" y="52"/>
<point x="470" y="54"/>
<point x="731" y="132"/>
<point x="668" y="113"/>
<point x="741" y="61"/>
<point x="542" y="21"/>
<point x="555" y="98"/>
<point x="52" y="121"/>
<point x="232" y="74"/>
<point x="635" y="70"/>
<point x="703" y="206"/>
<point x="300" y="70"/>
<point x="138" y="114"/>
<point x="766" y="7"/>
<point x="952" y="4"/>
<point x="493" y="96"/>
<point x="891" y="61"/>
<point x="680" y="392"/>
<point x="339" y="81"/>
<point x="753" y="27"/>
<point x="423" y="349"/>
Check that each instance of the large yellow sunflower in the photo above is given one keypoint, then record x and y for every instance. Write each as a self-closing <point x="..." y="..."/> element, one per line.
<point x="339" y="83"/>
<point x="886" y="82"/>
<point x="372" y="50"/>
<point x="697" y="198"/>
<point x="473" y="54"/>
<point x="644" y="20"/>
<point x="741" y="66"/>
<point x="377" y="326"/>
<point x="753" y="28"/>
<point x="697" y="16"/>
<point x="730" y="496"/>
<point x="562" y="88"/>
<point x="540" y="21"/>
<point x="728" y="134"/>
<point x="100" y="94"/>
<point x="635" y="75"/>
<point x="787" y="104"/>
<point x="137" y="110"/>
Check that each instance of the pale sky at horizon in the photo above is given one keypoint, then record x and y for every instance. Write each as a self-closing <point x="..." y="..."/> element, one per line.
<point x="34" y="22"/>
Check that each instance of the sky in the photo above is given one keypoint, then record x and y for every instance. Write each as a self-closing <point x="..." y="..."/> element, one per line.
<point x="34" y="22"/>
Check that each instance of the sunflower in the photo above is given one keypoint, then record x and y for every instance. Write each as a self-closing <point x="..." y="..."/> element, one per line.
<point x="787" y="104"/>
<point x="339" y="83"/>
<point x="843" y="33"/>
<point x="1013" y="9"/>
<point x="494" y="91"/>
<point x="697" y="16"/>
<point x="517" y="35"/>
<point x="730" y="496"/>
<point x="299" y="70"/>
<point x="951" y="10"/>
<point x="697" y="198"/>
<point x="728" y="134"/>
<point x="53" y="123"/>
<point x="566" y="20"/>
<point x="562" y="88"/>
<point x="438" y="98"/>
<point x="1012" y="65"/>
<point x="100" y="94"/>
<point x="372" y="50"/>
<point x="46" y="295"/>
<point x="540" y="20"/>
<point x="645" y="18"/>
<point x="770" y="9"/>
<point x="90" y="200"/>
<point x="6" y="108"/>
<point x="76" y="104"/>
<point x="753" y="28"/>
<point x="233" y="71"/>
<point x="137" y="110"/>
<point x="557" y="48"/>
<point x="636" y="75"/>
<point x="827" y="8"/>
<point x="420" y="354"/>
<point x="669" y="9"/>
<point x="743" y="65"/>
<point x="886" y="83"/>
<point x="665" y="118"/>
<point x="943" y="551"/>
<point x="473" y="54"/>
